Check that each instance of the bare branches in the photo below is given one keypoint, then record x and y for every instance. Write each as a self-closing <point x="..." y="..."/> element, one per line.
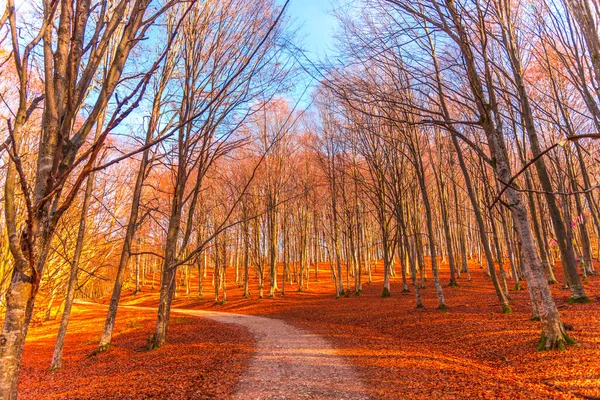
<point x="509" y="183"/>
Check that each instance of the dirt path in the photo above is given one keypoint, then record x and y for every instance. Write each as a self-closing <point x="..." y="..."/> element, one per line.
<point x="289" y="363"/>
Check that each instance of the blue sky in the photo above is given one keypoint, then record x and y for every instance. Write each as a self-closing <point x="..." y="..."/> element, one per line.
<point x="316" y="27"/>
<point x="316" y="22"/>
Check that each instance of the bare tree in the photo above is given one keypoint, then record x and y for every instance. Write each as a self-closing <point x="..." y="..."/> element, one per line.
<point x="75" y="38"/>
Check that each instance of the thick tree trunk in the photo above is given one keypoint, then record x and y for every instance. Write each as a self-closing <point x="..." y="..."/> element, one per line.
<point x="167" y="288"/>
<point x="16" y="322"/>
<point x="564" y="240"/>
<point x="29" y="255"/>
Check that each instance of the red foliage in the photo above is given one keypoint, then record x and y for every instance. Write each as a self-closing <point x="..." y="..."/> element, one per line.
<point x="467" y="350"/>
<point x="470" y="349"/>
<point x="202" y="360"/>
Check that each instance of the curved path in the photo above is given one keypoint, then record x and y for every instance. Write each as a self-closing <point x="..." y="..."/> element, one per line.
<point x="288" y="363"/>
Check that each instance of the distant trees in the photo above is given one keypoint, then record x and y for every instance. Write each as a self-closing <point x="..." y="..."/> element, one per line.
<point x="223" y="68"/>
<point x="398" y="49"/>
<point x="446" y="132"/>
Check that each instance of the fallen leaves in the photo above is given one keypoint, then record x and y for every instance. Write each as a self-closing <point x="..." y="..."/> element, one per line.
<point x="202" y="359"/>
<point x="469" y="350"/>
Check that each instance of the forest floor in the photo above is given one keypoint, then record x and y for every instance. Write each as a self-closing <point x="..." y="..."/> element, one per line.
<point x="288" y="361"/>
<point x="203" y="360"/>
<point x="469" y="350"/>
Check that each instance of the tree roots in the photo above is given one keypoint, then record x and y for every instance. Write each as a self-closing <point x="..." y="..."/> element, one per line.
<point x="506" y="309"/>
<point x="100" y="349"/>
<point x="579" y="300"/>
<point x="559" y="343"/>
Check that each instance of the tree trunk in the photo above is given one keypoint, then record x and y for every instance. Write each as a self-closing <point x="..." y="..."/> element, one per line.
<point x="553" y="332"/>
<point x="564" y="240"/>
<point x="72" y="285"/>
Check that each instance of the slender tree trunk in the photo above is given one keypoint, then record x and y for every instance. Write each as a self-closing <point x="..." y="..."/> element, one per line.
<point x="564" y="240"/>
<point x="413" y="272"/>
<point x="430" y="233"/>
<point x="472" y="196"/>
<point x="273" y="247"/>
<point x="461" y="236"/>
<point x="111" y="316"/>
<point x="586" y="245"/>
<point x="446" y="228"/>
<point x="246" y="261"/>
<point x="553" y="332"/>
<point x="594" y="208"/>
<point x="169" y="273"/>
<point x="72" y="285"/>
<point x="201" y="264"/>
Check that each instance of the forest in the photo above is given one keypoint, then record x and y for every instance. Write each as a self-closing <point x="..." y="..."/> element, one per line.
<point x="196" y="206"/>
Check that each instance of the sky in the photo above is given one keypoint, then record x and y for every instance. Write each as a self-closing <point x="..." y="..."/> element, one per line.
<point x="313" y="16"/>
<point x="314" y="19"/>
<point x="316" y="22"/>
<point x="316" y="26"/>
